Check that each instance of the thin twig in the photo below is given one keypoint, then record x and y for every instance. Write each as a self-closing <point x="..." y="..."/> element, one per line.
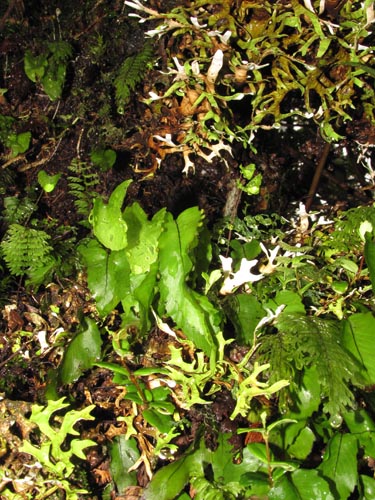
<point x="317" y="175"/>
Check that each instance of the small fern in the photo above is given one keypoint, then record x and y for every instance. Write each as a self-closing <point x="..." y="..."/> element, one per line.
<point x="346" y="236"/>
<point x="303" y="341"/>
<point x="18" y="210"/>
<point x="130" y="74"/>
<point x="26" y="250"/>
<point x="82" y="185"/>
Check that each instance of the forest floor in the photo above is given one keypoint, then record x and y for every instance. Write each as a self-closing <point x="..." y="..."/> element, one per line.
<point x="69" y="129"/>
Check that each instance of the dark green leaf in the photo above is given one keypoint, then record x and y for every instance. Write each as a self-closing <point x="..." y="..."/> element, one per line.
<point x="103" y="158"/>
<point x="124" y="454"/>
<point x="192" y="312"/>
<point x="107" y="275"/>
<point x="310" y="485"/>
<point x="358" y="338"/>
<point x="340" y="463"/>
<point x="82" y="353"/>
<point x="245" y="312"/>
<point x="170" y="480"/>
<point x="362" y="426"/>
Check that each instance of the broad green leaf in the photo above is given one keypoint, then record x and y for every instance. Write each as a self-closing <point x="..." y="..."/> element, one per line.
<point x="82" y="353"/>
<point x="340" y="463"/>
<point x="362" y="426"/>
<point x="137" y="303"/>
<point x="358" y="339"/>
<point x="370" y="257"/>
<point x="284" y="489"/>
<point x="245" y="312"/>
<point x="48" y="182"/>
<point x="368" y="487"/>
<point x="192" y="312"/>
<point x="301" y="439"/>
<point x="158" y="420"/>
<point x="170" y="480"/>
<point x="302" y="484"/>
<point x="222" y="461"/>
<point x="103" y="158"/>
<point x="53" y="80"/>
<point x="107" y="275"/>
<point x="19" y="143"/>
<point x="306" y="398"/>
<point x="108" y="224"/>
<point x="35" y="66"/>
<point x="143" y="238"/>
<point x="256" y="484"/>
<point x="124" y="453"/>
<point x="117" y="197"/>
<point x="291" y="300"/>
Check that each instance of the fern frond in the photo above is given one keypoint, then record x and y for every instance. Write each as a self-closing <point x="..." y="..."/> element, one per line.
<point x="18" y="210"/>
<point x="346" y="237"/>
<point x="130" y="74"/>
<point x="81" y="185"/>
<point x="303" y="341"/>
<point x="24" y="248"/>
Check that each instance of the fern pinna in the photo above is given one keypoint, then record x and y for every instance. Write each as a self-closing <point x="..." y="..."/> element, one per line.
<point x="131" y="72"/>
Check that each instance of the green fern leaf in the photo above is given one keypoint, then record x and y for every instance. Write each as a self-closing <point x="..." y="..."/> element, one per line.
<point x="82" y="184"/>
<point x="24" y="248"/>
<point x="18" y="210"/>
<point x="303" y="341"/>
<point x="130" y="74"/>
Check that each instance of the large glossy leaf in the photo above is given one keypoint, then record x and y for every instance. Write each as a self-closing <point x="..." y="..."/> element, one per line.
<point x="170" y="480"/>
<point x="143" y="238"/>
<point x="245" y="312"/>
<point x="224" y="468"/>
<point x="143" y="292"/>
<point x="362" y="426"/>
<point x="358" y="338"/>
<point x="107" y="275"/>
<point x="83" y="351"/>
<point x="302" y="484"/>
<point x="368" y="487"/>
<point x="370" y="257"/>
<point x="192" y="312"/>
<point x="124" y="454"/>
<point x="106" y="218"/>
<point x="340" y="463"/>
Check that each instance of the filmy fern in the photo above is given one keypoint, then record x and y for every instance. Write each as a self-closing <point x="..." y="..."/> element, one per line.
<point x="130" y="74"/>
<point x="82" y="183"/>
<point x="303" y="341"/>
<point x="25" y="249"/>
